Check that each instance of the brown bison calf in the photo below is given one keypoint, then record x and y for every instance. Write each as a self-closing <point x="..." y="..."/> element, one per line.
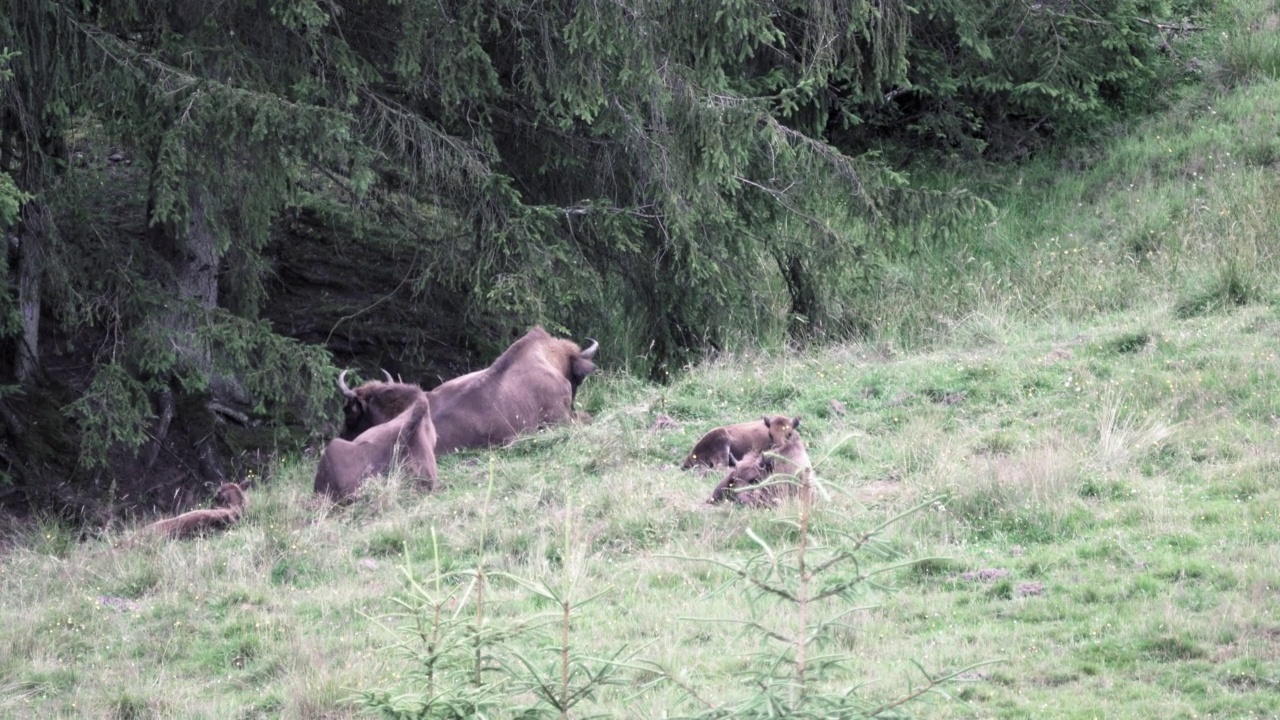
<point x="751" y="470"/>
<point x="723" y="446"/>
<point x="229" y="504"/>
<point x="762" y="478"/>
<point x="411" y="434"/>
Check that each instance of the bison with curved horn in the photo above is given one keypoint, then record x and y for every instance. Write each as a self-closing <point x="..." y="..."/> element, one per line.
<point x="410" y="436"/>
<point x="532" y="384"/>
<point x="373" y="403"/>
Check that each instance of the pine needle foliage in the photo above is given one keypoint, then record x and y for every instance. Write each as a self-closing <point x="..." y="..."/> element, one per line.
<point x="448" y="649"/>
<point x="1000" y="78"/>
<point x="661" y="175"/>
<point x="10" y="197"/>
<point x="464" y="665"/>
<point x="450" y="642"/>
<point x="566" y="678"/>
<point x="638" y="154"/>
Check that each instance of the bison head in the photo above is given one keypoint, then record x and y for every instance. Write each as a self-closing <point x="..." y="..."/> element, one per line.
<point x="751" y="469"/>
<point x="230" y="495"/>
<point x="580" y="366"/>
<point x="373" y="403"/>
<point x="782" y="429"/>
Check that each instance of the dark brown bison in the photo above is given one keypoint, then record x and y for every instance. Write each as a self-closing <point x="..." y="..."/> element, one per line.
<point x="410" y="435"/>
<point x="373" y="403"/>
<point x="532" y="384"/>
<point x="229" y="503"/>
<point x="723" y="446"/>
<point x="762" y="478"/>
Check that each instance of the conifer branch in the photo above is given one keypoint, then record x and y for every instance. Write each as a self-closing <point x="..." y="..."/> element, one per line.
<point x="437" y="157"/>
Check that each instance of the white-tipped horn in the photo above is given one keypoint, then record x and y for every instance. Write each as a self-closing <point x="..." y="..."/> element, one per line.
<point x="387" y="375"/>
<point x="342" y="385"/>
<point x="590" y="352"/>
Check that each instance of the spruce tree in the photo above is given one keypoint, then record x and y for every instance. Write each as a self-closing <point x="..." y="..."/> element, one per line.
<point x="657" y="174"/>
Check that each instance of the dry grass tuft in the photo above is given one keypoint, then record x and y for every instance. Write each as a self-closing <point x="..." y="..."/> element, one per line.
<point x="1121" y="436"/>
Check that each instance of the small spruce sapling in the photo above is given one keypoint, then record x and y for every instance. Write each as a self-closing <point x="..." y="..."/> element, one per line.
<point x="570" y="678"/>
<point x="791" y="589"/>
<point x="450" y="652"/>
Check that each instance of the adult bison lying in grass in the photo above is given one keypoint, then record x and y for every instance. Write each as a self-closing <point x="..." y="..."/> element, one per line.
<point x="531" y="385"/>
<point x="229" y="503"/>
<point x="723" y="446"/>
<point x="410" y="436"/>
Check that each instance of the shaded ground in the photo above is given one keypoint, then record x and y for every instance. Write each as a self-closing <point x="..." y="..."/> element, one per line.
<point x="355" y="298"/>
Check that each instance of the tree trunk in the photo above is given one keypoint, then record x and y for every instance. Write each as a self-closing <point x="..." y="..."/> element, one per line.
<point x="198" y="256"/>
<point x="806" y="308"/>
<point x="30" y="271"/>
<point x="194" y="257"/>
<point x="164" y="399"/>
<point x="29" y="304"/>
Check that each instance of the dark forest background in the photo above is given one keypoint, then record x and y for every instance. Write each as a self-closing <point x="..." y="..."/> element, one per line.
<point x="210" y="207"/>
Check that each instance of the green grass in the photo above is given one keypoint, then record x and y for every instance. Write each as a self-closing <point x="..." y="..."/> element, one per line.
<point x="1178" y="211"/>
<point x="1090" y="383"/>
<point x="1120" y="471"/>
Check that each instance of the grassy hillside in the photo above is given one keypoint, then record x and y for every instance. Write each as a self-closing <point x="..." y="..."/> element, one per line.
<point x="1116" y="477"/>
<point x="1084" y="394"/>
<point x="1178" y="212"/>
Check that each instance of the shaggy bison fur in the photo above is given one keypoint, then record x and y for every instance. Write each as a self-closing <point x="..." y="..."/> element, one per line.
<point x="532" y="384"/>
<point x="373" y="403"/>
<point x="345" y="464"/>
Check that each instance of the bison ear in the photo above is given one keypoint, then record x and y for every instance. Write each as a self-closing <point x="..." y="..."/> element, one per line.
<point x="795" y="423"/>
<point x="581" y="368"/>
<point x="766" y="420"/>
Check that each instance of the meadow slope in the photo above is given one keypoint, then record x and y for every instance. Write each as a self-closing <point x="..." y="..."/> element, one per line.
<point x="1116" y="479"/>
<point x="1081" y="396"/>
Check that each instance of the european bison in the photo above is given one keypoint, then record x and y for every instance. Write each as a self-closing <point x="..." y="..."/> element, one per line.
<point x="229" y="503"/>
<point x="762" y="478"/>
<point x="373" y="403"/>
<point x="750" y="470"/>
<point x="532" y="384"/>
<point x="411" y="434"/>
<point x="723" y="446"/>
